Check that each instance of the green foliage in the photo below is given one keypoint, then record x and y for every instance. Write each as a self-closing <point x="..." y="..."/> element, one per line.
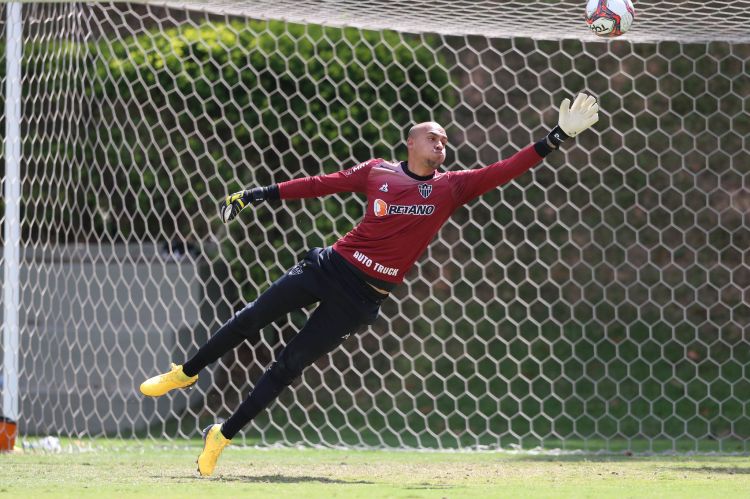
<point x="218" y="100"/>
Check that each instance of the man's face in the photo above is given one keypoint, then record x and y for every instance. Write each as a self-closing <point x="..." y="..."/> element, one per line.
<point x="427" y="144"/>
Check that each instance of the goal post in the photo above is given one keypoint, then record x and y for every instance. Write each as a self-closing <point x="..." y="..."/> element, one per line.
<point x="11" y="219"/>
<point x="598" y="301"/>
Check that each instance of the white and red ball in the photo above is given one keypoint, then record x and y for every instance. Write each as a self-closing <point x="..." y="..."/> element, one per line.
<point x="609" y="17"/>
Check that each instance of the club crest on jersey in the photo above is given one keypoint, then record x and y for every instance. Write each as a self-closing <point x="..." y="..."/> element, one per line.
<point x="381" y="209"/>
<point x="297" y="269"/>
<point x="425" y="190"/>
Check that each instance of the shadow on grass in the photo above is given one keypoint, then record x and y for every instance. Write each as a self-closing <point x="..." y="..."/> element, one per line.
<point x="289" y="479"/>
<point x="282" y="479"/>
<point x="429" y="486"/>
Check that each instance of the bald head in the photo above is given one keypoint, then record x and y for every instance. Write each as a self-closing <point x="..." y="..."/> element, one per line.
<point x="427" y="127"/>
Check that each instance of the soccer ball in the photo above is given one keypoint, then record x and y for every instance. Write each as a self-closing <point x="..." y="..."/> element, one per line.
<point x="609" y="17"/>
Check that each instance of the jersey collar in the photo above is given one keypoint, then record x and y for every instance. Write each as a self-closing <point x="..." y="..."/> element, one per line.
<point x="421" y="178"/>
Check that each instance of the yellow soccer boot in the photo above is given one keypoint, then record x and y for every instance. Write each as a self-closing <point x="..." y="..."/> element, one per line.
<point x="213" y="443"/>
<point x="161" y="384"/>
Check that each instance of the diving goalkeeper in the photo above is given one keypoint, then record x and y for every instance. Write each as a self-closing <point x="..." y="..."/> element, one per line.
<point x="407" y="203"/>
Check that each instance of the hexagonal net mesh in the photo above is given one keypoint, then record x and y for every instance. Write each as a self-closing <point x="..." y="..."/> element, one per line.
<point x="600" y="298"/>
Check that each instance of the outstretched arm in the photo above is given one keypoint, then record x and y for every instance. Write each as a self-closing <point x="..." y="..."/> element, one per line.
<point x="352" y="180"/>
<point x="572" y="121"/>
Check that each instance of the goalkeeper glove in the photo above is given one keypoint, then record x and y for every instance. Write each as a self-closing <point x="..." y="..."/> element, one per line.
<point x="230" y="207"/>
<point x="574" y="119"/>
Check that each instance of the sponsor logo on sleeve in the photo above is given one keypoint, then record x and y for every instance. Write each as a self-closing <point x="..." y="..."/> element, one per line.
<point x="355" y="169"/>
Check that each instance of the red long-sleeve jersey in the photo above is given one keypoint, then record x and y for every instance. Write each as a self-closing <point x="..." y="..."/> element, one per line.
<point x="404" y="211"/>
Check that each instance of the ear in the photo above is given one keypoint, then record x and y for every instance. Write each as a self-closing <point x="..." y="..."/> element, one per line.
<point x="410" y="143"/>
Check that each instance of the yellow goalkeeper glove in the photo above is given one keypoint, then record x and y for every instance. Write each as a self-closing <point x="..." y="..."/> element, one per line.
<point x="233" y="205"/>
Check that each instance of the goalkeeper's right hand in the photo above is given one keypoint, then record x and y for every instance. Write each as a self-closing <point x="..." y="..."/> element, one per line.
<point x="233" y="204"/>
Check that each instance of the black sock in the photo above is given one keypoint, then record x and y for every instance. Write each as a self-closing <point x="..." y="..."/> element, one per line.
<point x="225" y="339"/>
<point x="266" y="391"/>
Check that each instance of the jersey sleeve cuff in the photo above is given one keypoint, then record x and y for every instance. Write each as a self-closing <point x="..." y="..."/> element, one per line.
<point x="542" y="148"/>
<point x="257" y="195"/>
<point x="272" y="192"/>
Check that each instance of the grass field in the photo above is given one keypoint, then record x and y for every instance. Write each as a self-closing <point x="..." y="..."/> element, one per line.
<point x="117" y="469"/>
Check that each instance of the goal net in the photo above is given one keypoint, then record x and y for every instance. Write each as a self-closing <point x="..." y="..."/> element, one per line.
<point x="599" y="300"/>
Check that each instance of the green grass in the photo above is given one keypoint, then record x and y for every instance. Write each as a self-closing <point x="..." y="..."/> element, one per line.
<point x="125" y="469"/>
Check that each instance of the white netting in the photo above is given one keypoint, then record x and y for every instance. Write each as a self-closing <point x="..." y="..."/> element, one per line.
<point x="601" y="297"/>
<point x="683" y="20"/>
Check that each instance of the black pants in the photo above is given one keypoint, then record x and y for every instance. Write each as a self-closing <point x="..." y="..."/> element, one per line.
<point x="347" y="305"/>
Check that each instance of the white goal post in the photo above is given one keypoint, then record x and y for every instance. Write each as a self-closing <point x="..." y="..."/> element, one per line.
<point x="599" y="301"/>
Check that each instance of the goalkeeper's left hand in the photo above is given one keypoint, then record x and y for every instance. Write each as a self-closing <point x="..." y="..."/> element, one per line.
<point x="574" y="119"/>
<point x="233" y="205"/>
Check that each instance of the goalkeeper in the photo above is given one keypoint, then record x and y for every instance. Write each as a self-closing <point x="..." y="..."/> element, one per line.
<point x="407" y="203"/>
